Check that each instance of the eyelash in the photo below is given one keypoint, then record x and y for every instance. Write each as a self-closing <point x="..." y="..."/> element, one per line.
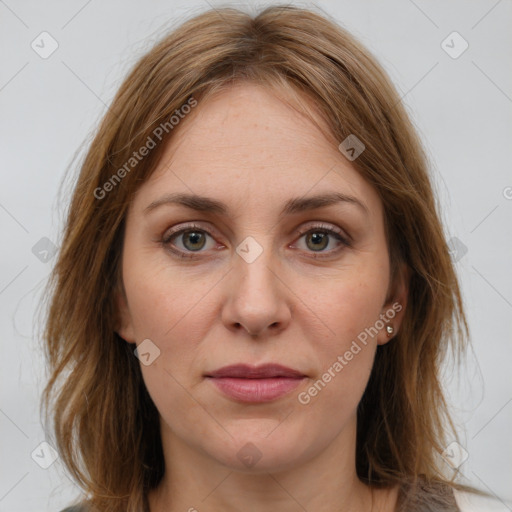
<point x="324" y="228"/>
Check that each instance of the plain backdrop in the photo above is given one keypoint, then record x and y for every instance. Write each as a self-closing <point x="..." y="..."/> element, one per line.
<point x="461" y="104"/>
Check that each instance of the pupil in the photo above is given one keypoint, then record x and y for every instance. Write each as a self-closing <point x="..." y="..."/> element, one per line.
<point x="318" y="238"/>
<point x="195" y="237"/>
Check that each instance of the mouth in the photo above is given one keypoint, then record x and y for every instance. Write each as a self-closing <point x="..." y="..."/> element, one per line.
<point x="255" y="384"/>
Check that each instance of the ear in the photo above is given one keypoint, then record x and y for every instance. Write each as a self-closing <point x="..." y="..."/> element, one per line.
<point x="393" y="311"/>
<point x="124" y="327"/>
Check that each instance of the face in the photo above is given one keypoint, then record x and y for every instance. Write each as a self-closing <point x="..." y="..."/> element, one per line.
<point x="264" y="274"/>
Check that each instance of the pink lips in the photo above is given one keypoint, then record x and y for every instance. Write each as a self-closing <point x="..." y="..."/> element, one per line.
<point x="255" y="383"/>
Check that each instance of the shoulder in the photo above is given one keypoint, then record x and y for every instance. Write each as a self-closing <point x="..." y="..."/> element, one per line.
<point x="422" y="495"/>
<point x="426" y="495"/>
<point x="469" y="502"/>
<point x="76" y="508"/>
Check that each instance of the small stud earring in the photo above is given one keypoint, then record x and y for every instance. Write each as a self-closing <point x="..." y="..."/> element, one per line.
<point x="390" y="330"/>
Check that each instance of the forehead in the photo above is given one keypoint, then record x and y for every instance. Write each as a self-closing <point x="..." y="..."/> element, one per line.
<point x="245" y="143"/>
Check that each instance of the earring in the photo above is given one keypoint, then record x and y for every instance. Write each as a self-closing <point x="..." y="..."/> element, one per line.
<point x="390" y="330"/>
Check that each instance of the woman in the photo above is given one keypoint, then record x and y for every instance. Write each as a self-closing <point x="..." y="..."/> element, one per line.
<point x="254" y="293"/>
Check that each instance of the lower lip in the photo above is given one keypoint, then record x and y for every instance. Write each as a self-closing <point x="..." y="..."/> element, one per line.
<point x="256" y="390"/>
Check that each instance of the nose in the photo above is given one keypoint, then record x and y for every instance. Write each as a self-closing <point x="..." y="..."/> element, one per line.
<point x="257" y="298"/>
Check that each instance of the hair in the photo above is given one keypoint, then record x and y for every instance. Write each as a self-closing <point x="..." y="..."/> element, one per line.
<point x="105" y="424"/>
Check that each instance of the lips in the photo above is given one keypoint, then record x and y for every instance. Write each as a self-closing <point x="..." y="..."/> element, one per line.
<point x="265" y="371"/>
<point x="255" y="384"/>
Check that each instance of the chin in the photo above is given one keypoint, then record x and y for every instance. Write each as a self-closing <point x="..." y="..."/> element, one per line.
<point x="261" y="448"/>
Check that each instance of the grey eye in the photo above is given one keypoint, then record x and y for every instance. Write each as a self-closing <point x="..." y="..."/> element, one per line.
<point x="319" y="240"/>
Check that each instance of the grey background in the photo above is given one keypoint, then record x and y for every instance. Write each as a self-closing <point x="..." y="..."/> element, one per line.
<point x="461" y="106"/>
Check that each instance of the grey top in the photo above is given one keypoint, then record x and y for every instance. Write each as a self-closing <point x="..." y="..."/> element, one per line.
<point x="426" y="497"/>
<point x="436" y="497"/>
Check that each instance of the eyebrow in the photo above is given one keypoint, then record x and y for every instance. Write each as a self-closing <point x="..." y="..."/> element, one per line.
<point x="295" y="205"/>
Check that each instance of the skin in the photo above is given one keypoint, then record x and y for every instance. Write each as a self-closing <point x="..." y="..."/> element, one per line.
<point x="252" y="151"/>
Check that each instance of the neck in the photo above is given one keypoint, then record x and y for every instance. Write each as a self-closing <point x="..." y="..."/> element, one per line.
<point x="196" y="482"/>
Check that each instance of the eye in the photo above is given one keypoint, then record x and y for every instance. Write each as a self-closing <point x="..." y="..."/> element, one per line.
<point x="319" y="237"/>
<point x="192" y="240"/>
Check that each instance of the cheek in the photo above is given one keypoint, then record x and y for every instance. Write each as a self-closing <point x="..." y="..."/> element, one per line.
<point x="160" y="302"/>
<point x="171" y="311"/>
<point x="351" y="308"/>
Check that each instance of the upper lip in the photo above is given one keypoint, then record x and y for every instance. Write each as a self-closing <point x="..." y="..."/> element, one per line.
<point x="264" y="371"/>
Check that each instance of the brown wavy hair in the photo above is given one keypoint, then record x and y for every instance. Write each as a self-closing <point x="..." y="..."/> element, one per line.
<point x="103" y="421"/>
